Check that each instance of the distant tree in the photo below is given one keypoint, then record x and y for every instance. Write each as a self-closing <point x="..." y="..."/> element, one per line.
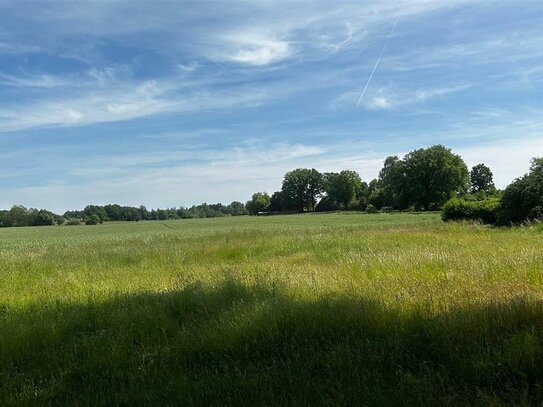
<point x="301" y="188"/>
<point x="43" y="218"/>
<point x="144" y="213"/>
<point x="73" y="215"/>
<point x="3" y="219"/>
<point x="276" y="202"/>
<point x="481" y="180"/>
<point x="392" y="184"/>
<point x="371" y="209"/>
<point x="237" y="209"/>
<point x="93" y="220"/>
<point x="17" y="216"/>
<point x="341" y="188"/>
<point x="363" y="196"/>
<point x="96" y="210"/>
<point x="260" y="201"/>
<point x="326" y="205"/>
<point x="522" y="200"/>
<point x="113" y="212"/>
<point x="375" y="194"/>
<point x="433" y="175"/>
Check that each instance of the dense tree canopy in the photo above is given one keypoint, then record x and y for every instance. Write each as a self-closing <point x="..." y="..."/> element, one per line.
<point x="259" y="202"/>
<point x="276" y="202"/>
<point x="390" y="188"/>
<point x="481" y="180"/>
<point x="343" y="188"/>
<point x="301" y="188"/>
<point x="433" y="175"/>
<point x="18" y="215"/>
<point x="522" y="200"/>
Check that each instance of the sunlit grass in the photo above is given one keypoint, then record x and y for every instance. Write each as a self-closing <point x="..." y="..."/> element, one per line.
<point x="308" y="309"/>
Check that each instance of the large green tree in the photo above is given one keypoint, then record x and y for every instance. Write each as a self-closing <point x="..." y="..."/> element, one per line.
<point x="391" y="185"/>
<point x="276" y="202"/>
<point x="343" y="188"/>
<point x="522" y="200"/>
<point x="237" y="209"/>
<point x="481" y="180"/>
<point x="301" y="188"/>
<point x="260" y="201"/>
<point x="17" y="216"/>
<point x="433" y="175"/>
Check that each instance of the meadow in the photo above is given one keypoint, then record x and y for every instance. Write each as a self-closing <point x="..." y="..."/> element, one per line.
<point x="330" y="309"/>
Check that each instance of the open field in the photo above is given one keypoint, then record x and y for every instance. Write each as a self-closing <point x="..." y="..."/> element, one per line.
<point x="382" y="309"/>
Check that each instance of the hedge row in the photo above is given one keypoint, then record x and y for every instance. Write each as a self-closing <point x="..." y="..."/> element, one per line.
<point x="485" y="211"/>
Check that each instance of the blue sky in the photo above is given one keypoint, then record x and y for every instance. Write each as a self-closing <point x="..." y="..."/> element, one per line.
<point x="177" y="103"/>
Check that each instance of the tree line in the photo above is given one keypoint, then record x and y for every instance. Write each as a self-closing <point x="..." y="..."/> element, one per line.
<point x="432" y="178"/>
<point x="95" y="214"/>
<point x="423" y="180"/>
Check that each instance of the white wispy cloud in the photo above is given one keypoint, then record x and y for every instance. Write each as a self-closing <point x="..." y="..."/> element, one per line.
<point x="261" y="52"/>
<point x="190" y="67"/>
<point x="394" y="97"/>
<point x="510" y="48"/>
<point x="124" y="101"/>
<point x="31" y="81"/>
<point x="387" y="98"/>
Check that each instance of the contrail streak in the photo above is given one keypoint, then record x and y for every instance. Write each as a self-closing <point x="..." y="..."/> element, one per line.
<point x="377" y="62"/>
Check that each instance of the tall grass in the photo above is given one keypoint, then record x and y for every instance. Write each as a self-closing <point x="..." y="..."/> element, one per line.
<point x="296" y="310"/>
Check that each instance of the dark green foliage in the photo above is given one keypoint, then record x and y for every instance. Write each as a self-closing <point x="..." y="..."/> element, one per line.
<point x="131" y="214"/>
<point x="18" y="215"/>
<point x="326" y="205"/>
<point x="301" y="188"/>
<point x="434" y="175"/>
<point x="391" y="188"/>
<point x="120" y="213"/>
<point x="485" y="211"/>
<point x="371" y="209"/>
<point x="236" y="209"/>
<point x="276" y="202"/>
<point x="522" y="200"/>
<point x="425" y="178"/>
<point x="42" y="218"/>
<point x="259" y="202"/>
<point x="93" y="220"/>
<point x="74" y="215"/>
<point x="342" y="189"/>
<point x="481" y="180"/>
<point x="99" y="211"/>
<point x="375" y="194"/>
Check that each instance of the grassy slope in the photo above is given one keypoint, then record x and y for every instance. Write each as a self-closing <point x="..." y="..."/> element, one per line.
<point x="313" y="309"/>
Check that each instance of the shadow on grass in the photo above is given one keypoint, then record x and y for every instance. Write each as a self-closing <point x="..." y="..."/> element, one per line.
<point x="252" y="345"/>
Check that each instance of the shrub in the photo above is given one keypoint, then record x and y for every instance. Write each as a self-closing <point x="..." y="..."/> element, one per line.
<point x="459" y="209"/>
<point x="371" y="209"/>
<point x="92" y="220"/>
<point x="73" y="222"/>
<point x="522" y="200"/>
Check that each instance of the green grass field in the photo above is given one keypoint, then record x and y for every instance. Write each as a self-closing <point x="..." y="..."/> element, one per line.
<point x="335" y="309"/>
